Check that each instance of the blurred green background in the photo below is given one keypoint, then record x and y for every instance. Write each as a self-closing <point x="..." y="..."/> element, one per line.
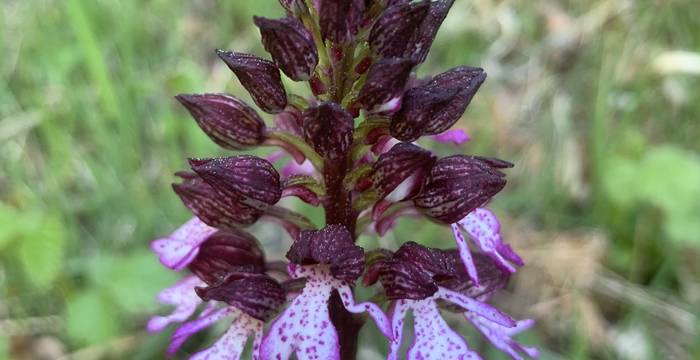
<point x="597" y="102"/>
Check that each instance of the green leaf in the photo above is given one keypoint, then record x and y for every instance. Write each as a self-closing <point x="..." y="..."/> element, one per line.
<point x="620" y="181"/>
<point x="91" y="319"/>
<point x="132" y="281"/>
<point x="41" y="252"/>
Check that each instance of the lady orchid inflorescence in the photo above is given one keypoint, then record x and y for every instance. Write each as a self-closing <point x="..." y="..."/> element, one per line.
<point x="349" y="149"/>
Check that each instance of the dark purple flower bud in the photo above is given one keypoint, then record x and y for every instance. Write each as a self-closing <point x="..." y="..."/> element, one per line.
<point x="414" y="272"/>
<point x="252" y="180"/>
<point x="401" y="172"/>
<point x="227" y="120"/>
<point x="260" y="77"/>
<point x="209" y="206"/>
<point x="258" y="295"/>
<point x="395" y="31"/>
<point x="290" y="44"/>
<point x="227" y="252"/>
<point x="331" y="245"/>
<point x="428" y="29"/>
<point x="340" y="19"/>
<point x="328" y="127"/>
<point x="435" y="106"/>
<point x="457" y="185"/>
<point x="386" y="81"/>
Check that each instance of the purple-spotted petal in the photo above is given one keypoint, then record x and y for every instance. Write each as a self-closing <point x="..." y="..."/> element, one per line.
<point x="434" y="340"/>
<point x="397" y="311"/>
<point x="305" y="327"/>
<point x="180" y="248"/>
<point x="232" y="343"/>
<point x="500" y="336"/>
<point x="465" y="254"/>
<point x="183" y="297"/>
<point x="484" y="229"/>
<point x="454" y="136"/>
<point x="372" y="309"/>
<point x="207" y="318"/>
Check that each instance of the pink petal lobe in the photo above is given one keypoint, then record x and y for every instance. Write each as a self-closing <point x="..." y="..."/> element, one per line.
<point x="485" y="230"/>
<point x="183" y="297"/>
<point x="500" y="336"/>
<point x="455" y="136"/>
<point x="465" y="254"/>
<point x="372" y="309"/>
<point x="207" y="318"/>
<point x="180" y="248"/>
<point x="485" y="310"/>
<point x="398" y="310"/>
<point x="305" y="327"/>
<point x="231" y="345"/>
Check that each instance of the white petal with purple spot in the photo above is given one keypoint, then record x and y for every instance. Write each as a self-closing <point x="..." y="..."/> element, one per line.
<point x="180" y="248"/>
<point x="231" y="345"/>
<point x="183" y="297"/>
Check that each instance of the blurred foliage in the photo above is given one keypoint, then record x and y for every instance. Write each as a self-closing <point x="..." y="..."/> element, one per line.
<point x="590" y="99"/>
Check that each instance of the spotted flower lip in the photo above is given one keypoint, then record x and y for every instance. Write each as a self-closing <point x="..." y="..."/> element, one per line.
<point x="211" y="207"/>
<point x="227" y="120"/>
<point x="260" y="77"/>
<point x="328" y="127"/>
<point x="340" y="19"/>
<point x="459" y="184"/>
<point x="385" y="84"/>
<point x="227" y="252"/>
<point x="332" y="245"/>
<point x="399" y="173"/>
<point x="290" y="44"/>
<point x="434" y="107"/>
<point x="252" y="180"/>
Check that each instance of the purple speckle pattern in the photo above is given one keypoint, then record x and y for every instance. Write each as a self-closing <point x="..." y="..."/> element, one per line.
<point x="230" y="346"/>
<point x="485" y="230"/>
<point x="500" y="336"/>
<point x="181" y="247"/>
<point x="182" y="296"/>
<point x="465" y="254"/>
<point x="454" y="136"/>
<point x="305" y="327"/>
<point x="435" y="340"/>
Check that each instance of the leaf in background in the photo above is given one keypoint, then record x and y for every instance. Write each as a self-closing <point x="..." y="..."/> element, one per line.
<point x="620" y="181"/>
<point x="132" y="281"/>
<point x="91" y="318"/>
<point x="41" y="251"/>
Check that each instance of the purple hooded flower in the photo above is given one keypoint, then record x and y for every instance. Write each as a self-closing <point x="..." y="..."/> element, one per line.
<point x="459" y="184"/>
<point x="340" y="19"/>
<point x="252" y="180"/>
<point x="395" y="31"/>
<point x="210" y="206"/>
<point x="227" y="120"/>
<point x="260" y="77"/>
<point x="416" y="278"/>
<point x="290" y="44"/>
<point x="328" y="127"/>
<point x="385" y="85"/>
<point x="329" y="261"/>
<point x="434" y="107"/>
<point x="399" y="173"/>
<point x="225" y="253"/>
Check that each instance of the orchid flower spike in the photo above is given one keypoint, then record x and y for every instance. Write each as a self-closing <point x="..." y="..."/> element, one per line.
<point x="351" y="147"/>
